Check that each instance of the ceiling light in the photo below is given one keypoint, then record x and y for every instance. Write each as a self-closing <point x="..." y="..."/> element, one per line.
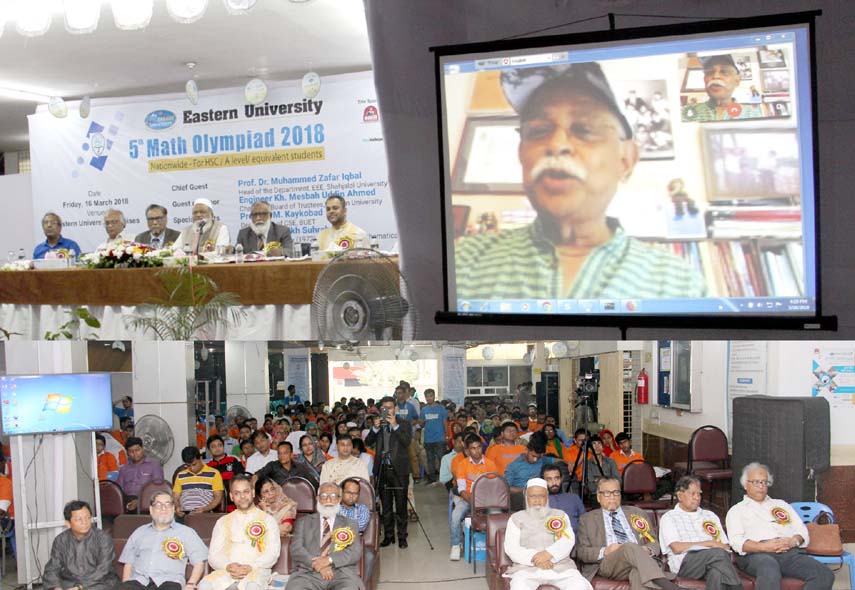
<point x="186" y="11"/>
<point x="85" y="108"/>
<point x="33" y="17"/>
<point x="57" y="107"/>
<point x="13" y="94"/>
<point x="239" y="6"/>
<point x="81" y="16"/>
<point x="192" y="91"/>
<point x="131" y="15"/>
<point x="255" y="91"/>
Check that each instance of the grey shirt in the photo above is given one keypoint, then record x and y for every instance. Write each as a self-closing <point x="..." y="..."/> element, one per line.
<point x="146" y="551"/>
<point x="86" y="562"/>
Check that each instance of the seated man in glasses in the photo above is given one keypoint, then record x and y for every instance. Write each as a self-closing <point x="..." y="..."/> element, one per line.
<point x="156" y="555"/>
<point x="617" y="542"/>
<point x="770" y="537"/>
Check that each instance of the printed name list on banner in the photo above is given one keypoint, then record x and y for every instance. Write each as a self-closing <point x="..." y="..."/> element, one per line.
<point x="289" y="150"/>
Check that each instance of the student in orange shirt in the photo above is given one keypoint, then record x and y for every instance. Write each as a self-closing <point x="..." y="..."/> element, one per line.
<point x="125" y="431"/>
<point x="573" y="450"/>
<point x="533" y="423"/>
<point x="466" y="473"/>
<point x="625" y="455"/>
<point x="106" y="461"/>
<point x="505" y="450"/>
<point x="6" y="506"/>
<point x="554" y="445"/>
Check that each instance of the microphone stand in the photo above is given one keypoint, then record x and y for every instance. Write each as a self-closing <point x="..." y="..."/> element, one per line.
<point x="198" y="240"/>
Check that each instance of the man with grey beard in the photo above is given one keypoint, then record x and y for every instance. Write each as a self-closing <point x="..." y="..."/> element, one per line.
<point x="325" y="548"/>
<point x="539" y="540"/>
<point x="156" y="555"/>
<point x="262" y="231"/>
<point x="576" y="147"/>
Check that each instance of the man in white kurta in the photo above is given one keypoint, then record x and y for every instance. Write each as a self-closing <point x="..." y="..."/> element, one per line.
<point x="694" y="540"/>
<point x="245" y="544"/>
<point x="539" y="540"/>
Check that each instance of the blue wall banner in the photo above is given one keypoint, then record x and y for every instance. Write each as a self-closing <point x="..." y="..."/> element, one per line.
<point x="290" y="150"/>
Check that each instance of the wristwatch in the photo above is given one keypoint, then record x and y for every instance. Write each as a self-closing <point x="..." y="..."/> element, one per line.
<point x="331" y="561"/>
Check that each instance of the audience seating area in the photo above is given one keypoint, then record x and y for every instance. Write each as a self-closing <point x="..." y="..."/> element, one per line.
<point x="297" y="489"/>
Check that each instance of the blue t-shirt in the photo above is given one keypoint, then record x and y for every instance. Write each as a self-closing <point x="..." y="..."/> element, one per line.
<point x="520" y="471"/>
<point x="41" y="249"/>
<point x="434" y="417"/>
<point x="407" y="411"/>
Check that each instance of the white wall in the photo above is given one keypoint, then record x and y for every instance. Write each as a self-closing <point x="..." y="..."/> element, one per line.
<point x="16" y="226"/>
<point x="246" y="377"/>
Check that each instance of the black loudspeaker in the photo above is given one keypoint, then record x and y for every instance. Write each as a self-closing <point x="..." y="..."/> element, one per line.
<point x="547" y="394"/>
<point x="792" y="435"/>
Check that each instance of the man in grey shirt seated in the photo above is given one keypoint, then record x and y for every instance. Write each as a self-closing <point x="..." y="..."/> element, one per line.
<point x="156" y="555"/>
<point x="81" y="556"/>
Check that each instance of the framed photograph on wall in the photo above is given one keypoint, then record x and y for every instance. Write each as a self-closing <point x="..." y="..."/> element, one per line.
<point x="648" y="111"/>
<point x="487" y="160"/>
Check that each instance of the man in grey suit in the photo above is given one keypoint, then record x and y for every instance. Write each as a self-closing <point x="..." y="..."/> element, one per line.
<point x="325" y="547"/>
<point x="618" y="542"/>
<point x="158" y="235"/>
<point x="262" y="231"/>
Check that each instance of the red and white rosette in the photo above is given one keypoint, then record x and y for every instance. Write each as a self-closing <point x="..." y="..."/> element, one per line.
<point x="255" y="531"/>
<point x="173" y="548"/>
<point x="780" y="515"/>
<point x="343" y="537"/>
<point x="711" y="529"/>
<point x="62" y="253"/>
<point x="345" y="243"/>
<point x="640" y="524"/>
<point x="556" y="525"/>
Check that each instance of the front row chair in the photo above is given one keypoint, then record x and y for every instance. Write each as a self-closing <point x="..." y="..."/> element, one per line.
<point x="810" y="511"/>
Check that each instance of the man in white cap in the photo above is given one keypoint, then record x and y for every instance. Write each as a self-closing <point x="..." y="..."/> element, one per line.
<point x="539" y="540"/>
<point x="205" y="233"/>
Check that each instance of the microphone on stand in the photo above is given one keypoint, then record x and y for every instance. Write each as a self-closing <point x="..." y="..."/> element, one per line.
<point x="197" y="238"/>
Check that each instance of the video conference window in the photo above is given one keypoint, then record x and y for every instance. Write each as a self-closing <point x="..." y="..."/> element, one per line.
<point x="658" y="176"/>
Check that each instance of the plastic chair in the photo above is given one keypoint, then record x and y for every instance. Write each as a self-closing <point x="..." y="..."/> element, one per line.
<point x="638" y="477"/>
<point x="809" y="511"/>
<point x="490" y="494"/>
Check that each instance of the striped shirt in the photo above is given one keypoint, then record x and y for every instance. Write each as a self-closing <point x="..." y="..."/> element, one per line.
<point x="522" y="264"/>
<point x="196" y="490"/>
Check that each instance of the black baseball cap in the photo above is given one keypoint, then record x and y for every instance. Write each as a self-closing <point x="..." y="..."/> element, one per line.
<point x="521" y="84"/>
<point x="724" y="59"/>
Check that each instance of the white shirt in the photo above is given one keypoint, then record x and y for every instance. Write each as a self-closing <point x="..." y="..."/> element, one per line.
<point x="112" y="243"/>
<point x="223" y="239"/>
<point x="256" y="461"/>
<point x="754" y="521"/>
<point x="680" y="526"/>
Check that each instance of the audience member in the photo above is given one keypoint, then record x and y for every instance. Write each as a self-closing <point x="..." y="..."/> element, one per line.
<point x="284" y="467"/>
<point x="467" y="472"/>
<point x="625" y="455"/>
<point x="568" y="502"/>
<point x="506" y="450"/>
<point x="351" y="507"/>
<point x="198" y="488"/>
<point x="275" y="503"/>
<point x="263" y="453"/>
<point x="434" y="435"/>
<point x="106" y="461"/>
<point x="525" y="467"/>
<point x="344" y="466"/>
<point x="126" y="409"/>
<point x="139" y="471"/>
<point x="599" y="465"/>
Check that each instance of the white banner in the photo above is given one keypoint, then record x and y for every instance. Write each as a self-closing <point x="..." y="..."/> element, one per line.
<point x="290" y="150"/>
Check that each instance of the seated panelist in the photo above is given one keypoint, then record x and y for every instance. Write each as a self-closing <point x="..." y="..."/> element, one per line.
<point x="52" y="228"/>
<point x="206" y="232"/>
<point x="262" y="231"/>
<point x="158" y="234"/>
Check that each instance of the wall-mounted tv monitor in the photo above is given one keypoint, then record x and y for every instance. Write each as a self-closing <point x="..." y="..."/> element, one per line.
<point x="38" y="404"/>
<point x="652" y="173"/>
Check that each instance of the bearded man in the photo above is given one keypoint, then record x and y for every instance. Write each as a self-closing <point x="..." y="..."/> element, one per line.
<point x="206" y="232"/>
<point x="262" y="231"/>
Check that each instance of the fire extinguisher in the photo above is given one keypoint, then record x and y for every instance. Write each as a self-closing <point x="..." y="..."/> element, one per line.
<point x="641" y="390"/>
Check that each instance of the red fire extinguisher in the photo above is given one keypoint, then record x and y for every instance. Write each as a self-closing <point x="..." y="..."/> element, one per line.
<point x="641" y="387"/>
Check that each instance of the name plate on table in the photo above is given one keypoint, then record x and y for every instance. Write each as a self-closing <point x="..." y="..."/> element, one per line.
<point x="50" y="264"/>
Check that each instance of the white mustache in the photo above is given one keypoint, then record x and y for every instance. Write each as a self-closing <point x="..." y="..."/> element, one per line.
<point x="566" y="164"/>
<point x="717" y="83"/>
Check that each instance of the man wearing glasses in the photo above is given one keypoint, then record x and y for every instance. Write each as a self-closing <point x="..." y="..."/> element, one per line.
<point x="263" y="231"/>
<point x="325" y="547"/>
<point x="770" y="537"/>
<point x="617" y="542"/>
<point x="157" y="554"/>
<point x="576" y="147"/>
<point x="694" y="540"/>
<point x="158" y="235"/>
<point x="114" y="225"/>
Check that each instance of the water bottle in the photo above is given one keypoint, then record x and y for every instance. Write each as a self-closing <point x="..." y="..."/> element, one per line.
<point x="21" y="254"/>
<point x="10" y="257"/>
<point x="375" y="243"/>
<point x="72" y="258"/>
<point x="298" y="250"/>
<point x="239" y="254"/>
<point x="315" y="250"/>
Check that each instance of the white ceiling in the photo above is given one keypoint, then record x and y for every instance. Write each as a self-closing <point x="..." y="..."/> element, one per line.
<point x="277" y="40"/>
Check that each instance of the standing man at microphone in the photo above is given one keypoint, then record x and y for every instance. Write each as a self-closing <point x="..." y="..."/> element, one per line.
<point x="206" y="232"/>
<point x="390" y="437"/>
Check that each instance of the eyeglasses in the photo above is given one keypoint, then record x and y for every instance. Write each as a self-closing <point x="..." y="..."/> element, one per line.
<point x="112" y="221"/>
<point x="760" y="483"/>
<point x="160" y="218"/>
<point x="328" y="496"/>
<point x="609" y="493"/>
<point x="584" y="132"/>
<point x="163" y="505"/>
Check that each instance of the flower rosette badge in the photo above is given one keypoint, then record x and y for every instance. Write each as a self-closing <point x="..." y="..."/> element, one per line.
<point x="711" y="529"/>
<point x="780" y="515"/>
<point x="344" y="243"/>
<point x="271" y="246"/>
<point x="173" y="548"/>
<point x="556" y="525"/>
<point x="255" y="531"/>
<point x="343" y="538"/>
<point x="642" y="526"/>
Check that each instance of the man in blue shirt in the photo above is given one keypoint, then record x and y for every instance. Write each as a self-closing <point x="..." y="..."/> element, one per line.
<point x="525" y="467"/>
<point x="435" y="439"/>
<point x="292" y="398"/>
<point x="408" y="411"/>
<point x="52" y="227"/>
<point x="569" y="502"/>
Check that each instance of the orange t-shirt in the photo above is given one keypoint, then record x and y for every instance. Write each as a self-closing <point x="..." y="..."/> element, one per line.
<point x="120" y="437"/>
<point x="106" y="462"/>
<point x="6" y="494"/>
<point x="570" y="455"/>
<point x="469" y="471"/>
<point x="503" y="455"/>
<point x="458" y="458"/>
<point x="624" y="460"/>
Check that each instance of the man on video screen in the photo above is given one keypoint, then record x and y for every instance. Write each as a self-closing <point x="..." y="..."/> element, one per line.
<point x="721" y="78"/>
<point x="575" y="147"/>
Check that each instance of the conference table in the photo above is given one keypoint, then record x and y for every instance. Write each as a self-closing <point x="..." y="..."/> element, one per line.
<point x="276" y="296"/>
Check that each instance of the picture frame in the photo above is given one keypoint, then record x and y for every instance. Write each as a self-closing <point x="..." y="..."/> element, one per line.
<point x="648" y="110"/>
<point x="484" y="163"/>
